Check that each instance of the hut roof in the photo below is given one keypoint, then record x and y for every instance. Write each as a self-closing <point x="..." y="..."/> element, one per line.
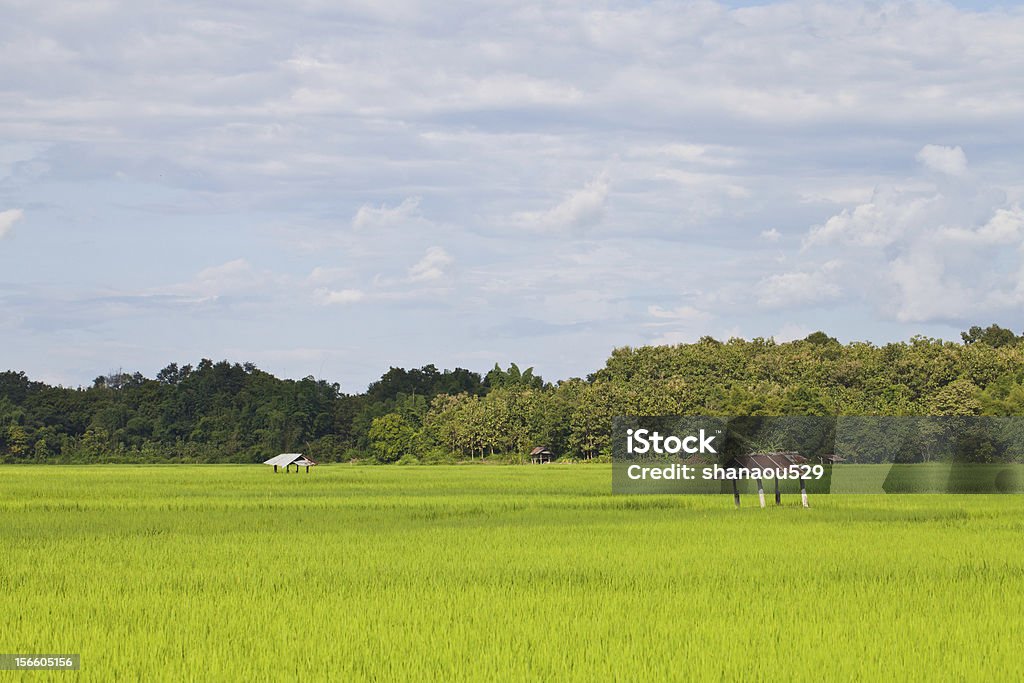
<point x="776" y="460"/>
<point x="833" y="458"/>
<point x="541" y="450"/>
<point x="289" y="459"/>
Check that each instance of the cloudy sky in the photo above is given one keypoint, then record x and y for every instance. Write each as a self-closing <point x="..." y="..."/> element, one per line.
<point x="331" y="188"/>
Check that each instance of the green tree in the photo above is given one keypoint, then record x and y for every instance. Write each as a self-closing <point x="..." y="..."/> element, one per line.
<point x="819" y="338"/>
<point x="391" y="437"/>
<point x="17" y="440"/>
<point x="512" y="378"/>
<point x="993" y="335"/>
<point x="960" y="397"/>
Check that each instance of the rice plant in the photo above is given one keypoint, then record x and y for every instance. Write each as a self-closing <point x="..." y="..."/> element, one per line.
<point x="491" y="572"/>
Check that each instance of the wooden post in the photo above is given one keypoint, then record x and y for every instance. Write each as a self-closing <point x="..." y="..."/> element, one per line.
<point x="307" y="469"/>
<point x="778" y="496"/>
<point x="760" y="491"/>
<point x="803" y="493"/>
<point x="275" y="469"/>
<point x="735" y="493"/>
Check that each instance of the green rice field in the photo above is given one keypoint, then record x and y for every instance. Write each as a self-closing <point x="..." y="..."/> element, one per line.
<point x="230" y="572"/>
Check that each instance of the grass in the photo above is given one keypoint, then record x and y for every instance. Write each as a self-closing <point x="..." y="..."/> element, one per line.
<point x="932" y="477"/>
<point x="510" y="573"/>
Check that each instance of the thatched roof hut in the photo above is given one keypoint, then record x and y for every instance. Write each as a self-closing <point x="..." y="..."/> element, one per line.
<point x="541" y="454"/>
<point x="286" y="460"/>
<point x="777" y="460"/>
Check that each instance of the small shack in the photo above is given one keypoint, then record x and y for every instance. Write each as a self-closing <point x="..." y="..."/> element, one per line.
<point x="286" y="460"/>
<point x="541" y="454"/>
<point x="780" y="460"/>
<point x="831" y="459"/>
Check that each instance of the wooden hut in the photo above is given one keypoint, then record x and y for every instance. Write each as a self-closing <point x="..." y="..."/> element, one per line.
<point x="780" y="460"/>
<point x="286" y="460"/>
<point x="541" y="454"/>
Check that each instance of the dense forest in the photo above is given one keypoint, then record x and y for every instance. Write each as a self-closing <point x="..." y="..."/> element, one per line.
<point x="230" y="412"/>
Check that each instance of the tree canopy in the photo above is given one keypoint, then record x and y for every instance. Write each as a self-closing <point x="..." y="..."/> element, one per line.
<point x="231" y="412"/>
<point x="993" y="335"/>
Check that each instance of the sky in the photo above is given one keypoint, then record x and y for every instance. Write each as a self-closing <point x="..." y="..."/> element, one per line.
<point x="333" y="188"/>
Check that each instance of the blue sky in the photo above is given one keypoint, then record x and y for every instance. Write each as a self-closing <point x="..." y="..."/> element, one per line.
<point x="333" y="188"/>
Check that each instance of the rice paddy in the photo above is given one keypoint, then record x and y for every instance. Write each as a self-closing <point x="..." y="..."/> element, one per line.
<point x="508" y="573"/>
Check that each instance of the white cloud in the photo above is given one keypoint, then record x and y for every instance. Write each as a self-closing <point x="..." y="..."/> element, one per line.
<point x="800" y="288"/>
<point x="8" y="218"/>
<point x="948" y="160"/>
<point x="716" y="182"/>
<point x="256" y="130"/>
<point x="432" y="266"/>
<point x="682" y="313"/>
<point x="425" y="278"/>
<point x="818" y="190"/>
<point x="947" y="251"/>
<point x="321" y="275"/>
<point x="890" y="215"/>
<point x="384" y="216"/>
<point x="689" y="153"/>
<point x="342" y="296"/>
<point x="922" y="292"/>
<point x="1005" y="227"/>
<point x="790" y="332"/>
<point x="680" y="325"/>
<point x="580" y="209"/>
<point x="234" y="277"/>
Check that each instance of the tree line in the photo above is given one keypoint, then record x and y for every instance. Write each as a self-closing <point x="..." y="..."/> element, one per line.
<point x="231" y="412"/>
